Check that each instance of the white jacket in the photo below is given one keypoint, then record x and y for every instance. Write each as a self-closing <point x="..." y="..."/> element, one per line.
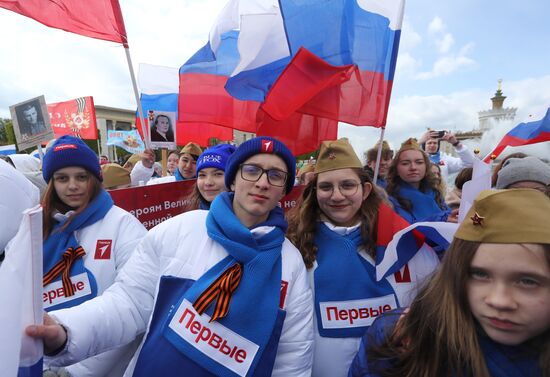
<point x="141" y="173"/>
<point x="451" y="165"/>
<point x="17" y="194"/>
<point x="108" y="243"/>
<point x="180" y="247"/>
<point x="333" y="356"/>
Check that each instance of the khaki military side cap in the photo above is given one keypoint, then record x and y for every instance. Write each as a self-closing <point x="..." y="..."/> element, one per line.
<point x="336" y="154"/>
<point x="193" y="149"/>
<point x="114" y="175"/>
<point x="508" y="216"/>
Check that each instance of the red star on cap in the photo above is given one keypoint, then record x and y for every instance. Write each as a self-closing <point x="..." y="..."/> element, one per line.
<point x="477" y="219"/>
<point x="331" y="156"/>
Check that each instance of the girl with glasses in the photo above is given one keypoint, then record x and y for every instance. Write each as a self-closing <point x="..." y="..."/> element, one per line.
<point x="336" y="227"/>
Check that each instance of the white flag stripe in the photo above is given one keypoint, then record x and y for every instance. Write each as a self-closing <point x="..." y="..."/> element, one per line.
<point x="21" y="292"/>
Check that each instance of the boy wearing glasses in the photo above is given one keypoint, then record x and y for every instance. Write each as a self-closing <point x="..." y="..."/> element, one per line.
<point x="217" y="293"/>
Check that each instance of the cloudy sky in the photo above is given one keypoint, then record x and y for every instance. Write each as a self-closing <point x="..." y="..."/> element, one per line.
<point x="451" y="55"/>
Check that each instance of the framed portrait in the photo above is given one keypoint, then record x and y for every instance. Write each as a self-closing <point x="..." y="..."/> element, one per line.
<point x="31" y="123"/>
<point x="162" y="128"/>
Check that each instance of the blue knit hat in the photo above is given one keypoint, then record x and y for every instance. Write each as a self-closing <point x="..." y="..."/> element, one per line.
<point x="257" y="145"/>
<point x="70" y="151"/>
<point x="215" y="157"/>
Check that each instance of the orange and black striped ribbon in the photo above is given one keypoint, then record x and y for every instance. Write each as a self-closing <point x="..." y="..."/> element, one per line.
<point x="64" y="267"/>
<point x="221" y="290"/>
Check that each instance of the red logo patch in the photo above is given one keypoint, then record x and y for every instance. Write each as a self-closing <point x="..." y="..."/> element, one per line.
<point x="267" y="146"/>
<point x="284" y="288"/>
<point x="103" y="249"/>
<point x="64" y="146"/>
<point x="403" y="277"/>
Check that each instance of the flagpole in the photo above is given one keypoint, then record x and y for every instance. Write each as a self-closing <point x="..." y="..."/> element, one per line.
<point x="146" y="136"/>
<point x="379" y="154"/>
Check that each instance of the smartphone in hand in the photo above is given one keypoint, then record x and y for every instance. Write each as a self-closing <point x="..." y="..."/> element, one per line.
<point x="439" y="134"/>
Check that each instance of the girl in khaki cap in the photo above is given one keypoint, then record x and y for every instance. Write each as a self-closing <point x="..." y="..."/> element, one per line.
<point x="338" y="230"/>
<point x="486" y="312"/>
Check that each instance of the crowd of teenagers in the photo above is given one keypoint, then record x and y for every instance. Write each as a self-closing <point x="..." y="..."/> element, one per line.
<point x="234" y="287"/>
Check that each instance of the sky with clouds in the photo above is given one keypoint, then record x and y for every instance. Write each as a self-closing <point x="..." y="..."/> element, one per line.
<point x="450" y="58"/>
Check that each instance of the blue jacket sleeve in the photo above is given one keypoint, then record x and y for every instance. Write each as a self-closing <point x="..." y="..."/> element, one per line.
<point x="376" y="334"/>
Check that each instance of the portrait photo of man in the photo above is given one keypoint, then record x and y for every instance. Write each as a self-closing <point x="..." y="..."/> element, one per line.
<point x="31" y="121"/>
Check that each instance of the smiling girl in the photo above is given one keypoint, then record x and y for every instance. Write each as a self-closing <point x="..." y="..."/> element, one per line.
<point x="210" y="175"/>
<point x="337" y="230"/>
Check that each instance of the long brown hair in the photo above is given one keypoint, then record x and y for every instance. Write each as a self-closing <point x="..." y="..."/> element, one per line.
<point x="195" y="199"/>
<point x="437" y="336"/>
<point x="52" y="203"/>
<point x="304" y="218"/>
<point x="429" y="181"/>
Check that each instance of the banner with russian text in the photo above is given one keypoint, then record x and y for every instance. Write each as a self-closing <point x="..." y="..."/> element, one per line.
<point x="153" y="204"/>
<point x="130" y="141"/>
<point x="75" y="117"/>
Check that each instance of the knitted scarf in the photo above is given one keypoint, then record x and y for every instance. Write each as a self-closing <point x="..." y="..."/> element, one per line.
<point x="60" y="240"/>
<point x="255" y="303"/>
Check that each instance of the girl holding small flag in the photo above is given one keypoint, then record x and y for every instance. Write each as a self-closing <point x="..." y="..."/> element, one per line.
<point x="87" y="240"/>
<point x="341" y="228"/>
<point x="218" y="293"/>
<point x="486" y="311"/>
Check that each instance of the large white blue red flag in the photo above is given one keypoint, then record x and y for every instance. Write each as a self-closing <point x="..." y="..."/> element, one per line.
<point x="335" y="59"/>
<point x="293" y="60"/>
<point x="21" y="299"/>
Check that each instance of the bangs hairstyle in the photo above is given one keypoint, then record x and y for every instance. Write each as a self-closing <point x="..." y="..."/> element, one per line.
<point x="51" y="203"/>
<point x="304" y="218"/>
<point x="430" y="181"/>
<point x="440" y="320"/>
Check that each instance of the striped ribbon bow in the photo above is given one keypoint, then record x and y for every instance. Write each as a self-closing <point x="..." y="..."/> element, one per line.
<point x="64" y="267"/>
<point x="221" y="290"/>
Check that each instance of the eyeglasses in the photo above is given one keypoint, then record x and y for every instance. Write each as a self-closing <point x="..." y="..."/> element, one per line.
<point x="346" y="188"/>
<point x="252" y="173"/>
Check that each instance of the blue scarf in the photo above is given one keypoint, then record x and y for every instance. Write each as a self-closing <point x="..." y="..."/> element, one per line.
<point x="178" y="176"/>
<point x="343" y="275"/>
<point x="423" y="203"/>
<point x="60" y="240"/>
<point x="435" y="157"/>
<point x="255" y="304"/>
<point x="509" y="361"/>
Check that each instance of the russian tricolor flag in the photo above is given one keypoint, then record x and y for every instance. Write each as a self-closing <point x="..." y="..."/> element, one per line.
<point x="334" y="59"/>
<point x="271" y="66"/>
<point x="524" y="134"/>
<point x="159" y="87"/>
